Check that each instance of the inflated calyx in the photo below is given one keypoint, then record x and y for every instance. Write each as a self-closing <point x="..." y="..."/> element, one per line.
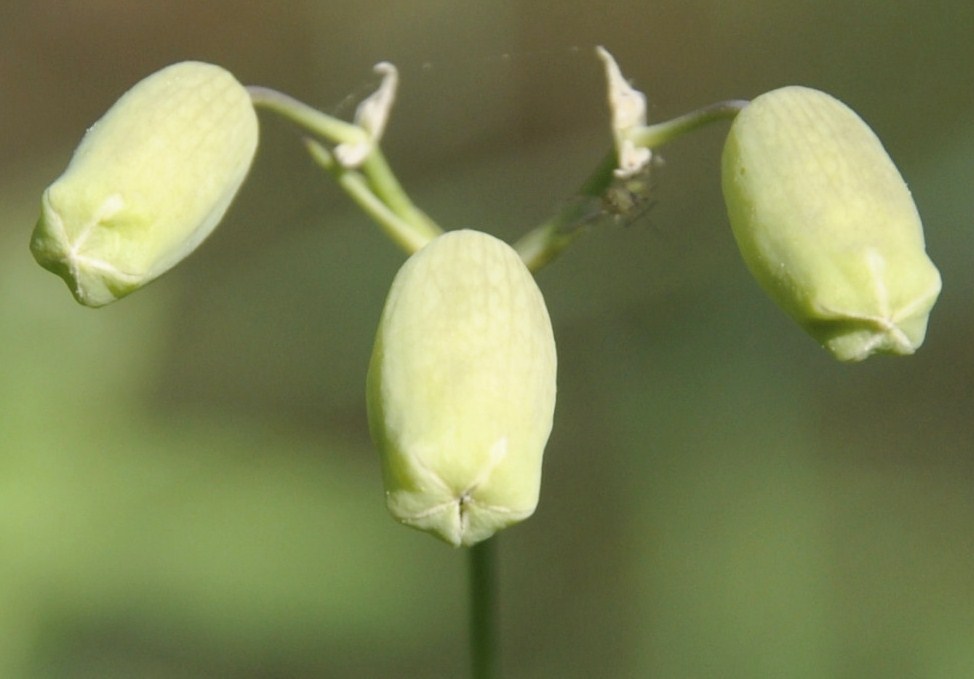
<point x="827" y="225"/>
<point x="461" y="388"/>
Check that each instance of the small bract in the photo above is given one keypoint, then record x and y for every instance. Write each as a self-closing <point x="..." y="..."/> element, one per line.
<point x="461" y="388"/>
<point x="148" y="182"/>
<point x="827" y="225"/>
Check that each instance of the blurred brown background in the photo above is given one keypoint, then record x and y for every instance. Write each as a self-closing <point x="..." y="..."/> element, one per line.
<point x="187" y="488"/>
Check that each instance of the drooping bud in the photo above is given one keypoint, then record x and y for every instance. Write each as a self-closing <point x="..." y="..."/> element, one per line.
<point x="149" y="181"/>
<point x="827" y="225"/>
<point x="461" y="388"/>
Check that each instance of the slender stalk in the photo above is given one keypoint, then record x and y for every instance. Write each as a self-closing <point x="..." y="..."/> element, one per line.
<point x="483" y="610"/>
<point x="547" y="240"/>
<point x="305" y="116"/>
<point x="404" y="234"/>
<point x="373" y="185"/>
<point x="654" y="136"/>
<point x="390" y="191"/>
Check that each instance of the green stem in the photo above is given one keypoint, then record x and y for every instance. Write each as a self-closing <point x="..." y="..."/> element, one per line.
<point x="390" y="191"/>
<point x="547" y="240"/>
<point x="377" y="191"/>
<point x="305" y="116"/>
<point x="373" y="186"/>
<point x="483" y="610"/>
<point x="654" y="136"/>
<point x="358" y="189"/>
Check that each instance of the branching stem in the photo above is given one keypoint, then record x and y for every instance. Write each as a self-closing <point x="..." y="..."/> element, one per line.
<point x="373" y="186"/>
<point x="547" y="240"/>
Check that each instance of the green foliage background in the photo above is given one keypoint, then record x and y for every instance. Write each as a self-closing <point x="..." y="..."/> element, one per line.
<point x="187" y="488"/>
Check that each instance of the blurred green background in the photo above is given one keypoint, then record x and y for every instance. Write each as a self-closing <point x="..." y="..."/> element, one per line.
<point x="187" y="488"/>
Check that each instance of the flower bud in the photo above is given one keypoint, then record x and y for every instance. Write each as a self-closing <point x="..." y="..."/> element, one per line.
<point x="461" y="388"/>
<point x="148" y="182"/>
<point x="827" y="225"/>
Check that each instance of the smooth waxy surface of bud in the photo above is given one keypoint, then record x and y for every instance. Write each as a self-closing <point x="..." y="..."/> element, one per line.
<point x="827" y="225"/>
<point x="149" y="181"/>
<point x="461" y="388"/>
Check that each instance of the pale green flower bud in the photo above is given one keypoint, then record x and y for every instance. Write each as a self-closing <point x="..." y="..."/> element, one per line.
<point x="827" y="225"/>
<point x="461" y="388"/>
<point x="148" y="182"/>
